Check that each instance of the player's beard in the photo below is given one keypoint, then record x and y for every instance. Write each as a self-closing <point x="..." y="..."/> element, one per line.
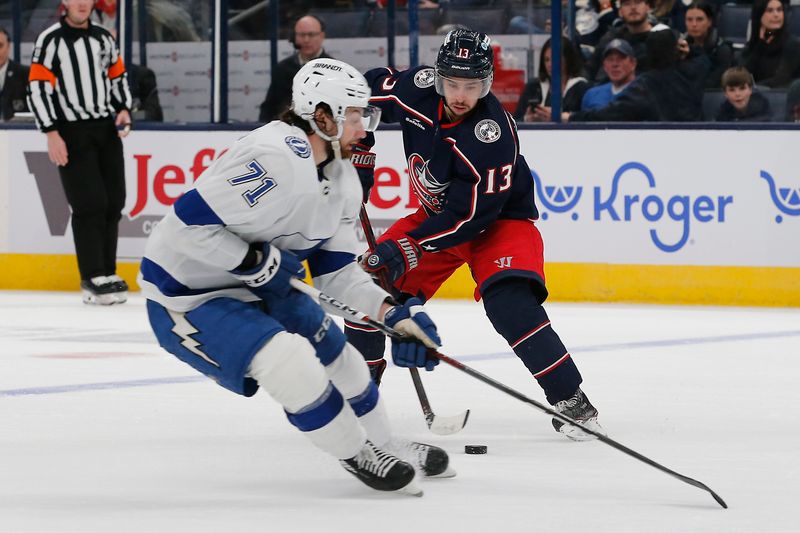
<point x="346" y="151"/>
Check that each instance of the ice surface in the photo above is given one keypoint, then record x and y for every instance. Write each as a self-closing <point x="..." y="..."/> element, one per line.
<point x="100" y="430"/>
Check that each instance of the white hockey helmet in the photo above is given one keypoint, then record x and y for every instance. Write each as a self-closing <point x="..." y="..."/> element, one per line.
<point x="334" y="83"/>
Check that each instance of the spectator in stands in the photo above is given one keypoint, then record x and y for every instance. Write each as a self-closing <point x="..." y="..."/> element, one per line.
<point x="422" y="4"/>
<point x="772" y="54"/>
<point x="307" y="37"/>
<point x="593" y="18"/>
<point x="701" y="34"/>
<point x="793" y="102"/>
<point x="671" y="91"/>
<point x="635" y="28"/>
<point x="144" y="90"/>
<point x="619" y="62"/>
<point x="670" y="13"/>
<point x="741" y="103"/>
<point x="13" y="81"/>
<point x="573" y="85"/>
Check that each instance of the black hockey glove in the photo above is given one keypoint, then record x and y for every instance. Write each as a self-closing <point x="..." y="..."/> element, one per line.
<point x="412" y="320"/>
<point x="395" y="257"/>
<point x="364" y="161"/>
<point x="267" y="270"/>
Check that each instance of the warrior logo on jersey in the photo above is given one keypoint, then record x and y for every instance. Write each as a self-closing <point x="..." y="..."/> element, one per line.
<point x="424" y="78"/>
<point x="298" y="146"/>
<point x="487" y="131"/>
<point x="429" y="191"/>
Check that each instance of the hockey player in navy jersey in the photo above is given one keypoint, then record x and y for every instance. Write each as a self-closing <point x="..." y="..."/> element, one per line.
<point x="217" y="270"/>
<point x="477" y="207"/>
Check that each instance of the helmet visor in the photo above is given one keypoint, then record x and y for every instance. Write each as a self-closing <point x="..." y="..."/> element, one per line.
<point x="371" y="117"/>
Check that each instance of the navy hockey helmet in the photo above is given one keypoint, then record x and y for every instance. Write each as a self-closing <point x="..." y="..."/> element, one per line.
<point x="465" y="54"/>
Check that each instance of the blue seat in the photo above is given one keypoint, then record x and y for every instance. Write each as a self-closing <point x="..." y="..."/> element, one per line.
<point x="377" y="23"/>
<point x="733" y="22"/>
<point x="343" y="22"/>
<point x="794" y="20"/>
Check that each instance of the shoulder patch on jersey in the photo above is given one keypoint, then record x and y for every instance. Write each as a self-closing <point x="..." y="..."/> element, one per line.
<point x="424" y="78"/>
<point x="298" y="146"/>
<point x="487" y="131"/>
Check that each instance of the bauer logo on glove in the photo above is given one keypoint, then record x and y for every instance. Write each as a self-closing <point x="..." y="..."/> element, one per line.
<point x="395" y="257"/>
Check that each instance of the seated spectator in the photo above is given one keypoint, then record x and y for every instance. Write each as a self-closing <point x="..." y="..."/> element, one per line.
<point x="619" y="62"/>
<point x="534" y="103"/>
<point x="702" y="35"/>
<point x="422" y="4"/>
<point x="741" y="103"/>
<point x="635" y="28"/>
<point x="144" y="91"/>
<point x="670" y="13"/>
<point x="793" y="102"/>
<point x="308" y="35"/>
<point x="13" y="81"/>
<point x="593" y="18"/>
<point x="772" y="54"/>
<point x="671" y="91"/>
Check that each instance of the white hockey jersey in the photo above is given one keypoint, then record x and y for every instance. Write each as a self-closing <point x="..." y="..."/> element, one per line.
<point x="265" y="188"/>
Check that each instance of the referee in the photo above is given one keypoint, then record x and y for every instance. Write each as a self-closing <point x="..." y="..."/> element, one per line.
<point x="77" y="83"/>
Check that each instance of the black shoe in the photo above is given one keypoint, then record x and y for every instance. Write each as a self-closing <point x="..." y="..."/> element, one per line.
<point x="376" y="370"/>
<point x="578" y="408"/>
<point x="381" y="470"/>
<point x="430" y="460"/>
<point x="121" y="293"/>
<point x="99" y="290"/>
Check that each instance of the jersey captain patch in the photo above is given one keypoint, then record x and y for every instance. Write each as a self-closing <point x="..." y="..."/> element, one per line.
<point x="424" y="78"/>
<point x="298" y="146"/>
<point x="487" y="131"/>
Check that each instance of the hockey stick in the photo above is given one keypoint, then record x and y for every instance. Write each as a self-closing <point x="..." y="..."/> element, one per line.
<point x="441" y="425"/>
<point x="358" y="315"/>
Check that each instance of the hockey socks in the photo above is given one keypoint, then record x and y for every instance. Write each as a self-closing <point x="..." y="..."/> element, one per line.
<point x="516" y="314"/>
<point x="371" y="343"/>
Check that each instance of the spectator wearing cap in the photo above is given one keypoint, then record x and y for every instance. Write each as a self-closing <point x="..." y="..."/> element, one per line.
<point x="701" y="35"/>
<point x="619" y="63"/>
<point x="671" y="91"/>
<point x="635" y="28"/>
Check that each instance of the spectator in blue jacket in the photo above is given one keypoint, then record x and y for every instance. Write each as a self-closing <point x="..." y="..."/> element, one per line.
<point x="619" y="63"/>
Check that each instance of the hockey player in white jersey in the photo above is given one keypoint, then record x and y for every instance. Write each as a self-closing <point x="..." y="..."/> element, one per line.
<point x="217" y="272"/>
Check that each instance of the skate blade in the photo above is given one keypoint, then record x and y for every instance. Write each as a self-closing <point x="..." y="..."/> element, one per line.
<point x="412" y="489"/>
<point x="575" y="434"/>
<point x="450" y="472"/>
<point x="98" y="299"/>
<point x="120" y="297"/>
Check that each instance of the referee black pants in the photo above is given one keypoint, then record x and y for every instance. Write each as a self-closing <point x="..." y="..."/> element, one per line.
<point x="94" y="183"/>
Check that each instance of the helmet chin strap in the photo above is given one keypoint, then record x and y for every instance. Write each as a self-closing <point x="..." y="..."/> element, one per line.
<point x="334" y="140"/>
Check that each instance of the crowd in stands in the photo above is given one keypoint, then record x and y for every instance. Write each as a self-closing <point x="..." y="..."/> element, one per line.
<point x="679" y="62"/>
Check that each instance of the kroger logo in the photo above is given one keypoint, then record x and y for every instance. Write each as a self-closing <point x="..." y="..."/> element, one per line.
<point x="787" y="200"/>
<point x="620" y="207"/>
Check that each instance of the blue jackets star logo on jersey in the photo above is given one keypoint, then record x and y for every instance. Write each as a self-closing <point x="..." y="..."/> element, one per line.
<point x="298" y="146"/>
<point x="424" y="78"/>
<point x="487" y="131"/>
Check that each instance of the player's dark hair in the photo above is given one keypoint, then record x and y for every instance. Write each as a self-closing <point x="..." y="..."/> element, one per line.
<point x="293" y="119"/>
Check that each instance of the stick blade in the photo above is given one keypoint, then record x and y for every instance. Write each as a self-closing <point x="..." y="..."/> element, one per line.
<point x="447" y="425"/>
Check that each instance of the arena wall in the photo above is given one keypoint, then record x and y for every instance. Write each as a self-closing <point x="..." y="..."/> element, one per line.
<point x="661" y="216"/>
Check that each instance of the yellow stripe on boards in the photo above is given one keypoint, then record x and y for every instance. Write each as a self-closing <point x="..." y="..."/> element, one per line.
<point x="573" y="282"/>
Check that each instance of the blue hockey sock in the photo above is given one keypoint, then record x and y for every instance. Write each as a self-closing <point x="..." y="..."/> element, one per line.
<point x="370" y="342"/>
<point x="516" y="314"/>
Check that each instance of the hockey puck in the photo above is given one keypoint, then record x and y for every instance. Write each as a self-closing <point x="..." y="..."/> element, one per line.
<point x="475" y="449"/>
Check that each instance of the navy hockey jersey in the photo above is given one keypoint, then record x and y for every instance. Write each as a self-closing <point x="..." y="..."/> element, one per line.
<point x="466" y="174"/>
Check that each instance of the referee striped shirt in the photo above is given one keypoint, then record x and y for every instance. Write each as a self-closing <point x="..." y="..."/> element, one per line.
<point x="76" y="74"/>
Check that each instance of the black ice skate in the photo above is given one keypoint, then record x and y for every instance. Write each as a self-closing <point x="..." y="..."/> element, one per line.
<point x="121" y="294"/>
<point x="99" y="290"/>
<point x="578" y="408"/>
<point x="429" y="460"/>
<point x="381" y="470"/>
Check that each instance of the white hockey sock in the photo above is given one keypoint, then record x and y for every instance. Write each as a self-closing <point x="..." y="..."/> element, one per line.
<point x="288" y="369"/>
<point x="350" y="374"/>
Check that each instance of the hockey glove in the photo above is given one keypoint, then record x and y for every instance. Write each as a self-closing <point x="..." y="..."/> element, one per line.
<point x="411" y="320"/>
<point x="273" y="269"/>
<point x="364" y="161"/>
<point x="395" y="257"/>
<point x="298" y="313"/>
